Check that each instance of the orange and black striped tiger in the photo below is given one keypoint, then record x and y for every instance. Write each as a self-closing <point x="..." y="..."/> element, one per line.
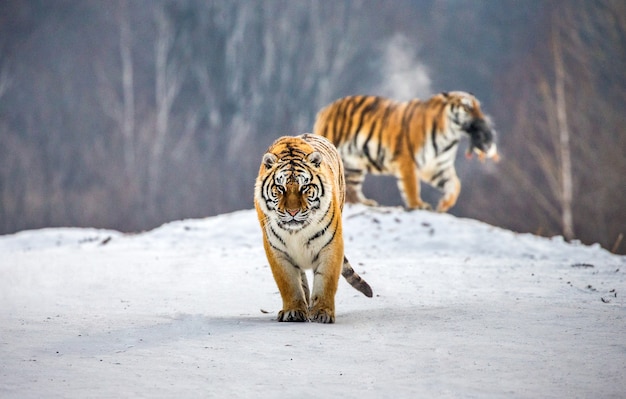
<point x="299" y="196"/>
<point x="414" y="141"/>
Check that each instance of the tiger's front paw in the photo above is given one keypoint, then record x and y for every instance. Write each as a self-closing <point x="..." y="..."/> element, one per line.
<point x="325" y="316"/>
<point x="369" y="202"/>
<point x="423" y="206"/>
<point x="445" y="204"/>
<point x="292" y="315"/>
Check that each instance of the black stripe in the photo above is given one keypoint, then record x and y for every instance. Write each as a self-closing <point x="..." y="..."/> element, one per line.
<point x="369" y="108"/>
<point x="266" y="189"/>
<point x="275" y="234"/>
<point x="286" y="255"/>
<point x="379" y="123"/>
<point x="352" y="170"/>
<point x="366" y="149"/>
<point x="332" y="238"/>
<point x="437" y="175"/>
<point x="380" y="153"/>
<point x="291" y="153"/>
<point x="443" y="163"/>
<point x="338" y="116"/>
<point x="265" y="179"/>
<point x="323" y="230"/>
<point x="407" y="118"/>
<point x="450" y="146"/>
<point x="356" y="101"/>
<point x="442" y="183"/>
<point x="433" y="136"/>
<point x="321" y="185"/>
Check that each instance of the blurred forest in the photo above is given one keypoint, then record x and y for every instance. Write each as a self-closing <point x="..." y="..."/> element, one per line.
<point x="127" y="114"/>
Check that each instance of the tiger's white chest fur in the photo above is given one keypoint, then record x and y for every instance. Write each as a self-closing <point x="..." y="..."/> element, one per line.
<point x="302" y="247"/>
<point x="367" y="155"/>
<point x="438" y="152"/>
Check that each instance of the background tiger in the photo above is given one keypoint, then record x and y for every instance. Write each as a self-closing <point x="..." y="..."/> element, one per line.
<point x="414" y="140"/>
<point x="299" y="196"/>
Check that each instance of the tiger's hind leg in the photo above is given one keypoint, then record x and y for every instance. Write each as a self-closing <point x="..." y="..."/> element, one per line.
<point x="409" y="186"/>
<point x="354" y="187"/>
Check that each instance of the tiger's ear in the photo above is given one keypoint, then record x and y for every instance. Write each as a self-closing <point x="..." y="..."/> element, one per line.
<point x="269" y="159"/>
<point x="315" y="158"/>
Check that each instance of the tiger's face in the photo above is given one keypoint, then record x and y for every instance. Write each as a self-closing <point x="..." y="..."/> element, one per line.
<point x="464" y="112"/>
<point x="292" y="189"/>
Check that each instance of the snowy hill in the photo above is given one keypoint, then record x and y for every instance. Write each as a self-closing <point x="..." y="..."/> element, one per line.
<point x="460" y="309"/>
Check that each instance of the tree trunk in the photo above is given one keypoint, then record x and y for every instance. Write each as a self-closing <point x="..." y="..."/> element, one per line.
<point x="128" y="92"/>
<point x="564" y="145"/>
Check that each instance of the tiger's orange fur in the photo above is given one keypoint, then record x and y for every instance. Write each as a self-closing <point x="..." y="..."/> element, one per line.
<point x="414" y="141"/>
<point x="299" y="197"/>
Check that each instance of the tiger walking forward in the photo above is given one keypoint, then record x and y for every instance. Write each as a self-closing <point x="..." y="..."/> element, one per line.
<point x="299" y="196"/>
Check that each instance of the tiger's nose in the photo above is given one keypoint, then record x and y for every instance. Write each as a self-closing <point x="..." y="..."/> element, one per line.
<point x="292" y="212"/>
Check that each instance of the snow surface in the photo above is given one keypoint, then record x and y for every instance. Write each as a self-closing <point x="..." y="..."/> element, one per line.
<point x="460" y="309"/>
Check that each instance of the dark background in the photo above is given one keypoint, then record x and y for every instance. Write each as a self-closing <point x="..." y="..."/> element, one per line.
<point x="129" y="114"/>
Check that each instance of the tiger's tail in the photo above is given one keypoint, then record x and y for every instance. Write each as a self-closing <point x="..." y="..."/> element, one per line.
<point x="354" y="279"/>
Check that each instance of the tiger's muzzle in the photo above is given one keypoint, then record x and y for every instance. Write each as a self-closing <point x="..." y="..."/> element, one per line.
<point x="482" y="138"/>
<point x="292" y="210"/>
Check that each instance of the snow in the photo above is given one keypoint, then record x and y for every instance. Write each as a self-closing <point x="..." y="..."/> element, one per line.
<point x="460" y="309"/>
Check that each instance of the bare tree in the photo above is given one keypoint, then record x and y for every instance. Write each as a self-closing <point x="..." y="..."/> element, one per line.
<point x="556" y="109"/>
<point x="168" y="78"/>
<point x="126" y="115"/>
<point x="5" y="81"/>
<point x="568" y="103"/>
<point x="117" y="96"/>
<point x="564" y="134"/>
<point x="553" y="160"/>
